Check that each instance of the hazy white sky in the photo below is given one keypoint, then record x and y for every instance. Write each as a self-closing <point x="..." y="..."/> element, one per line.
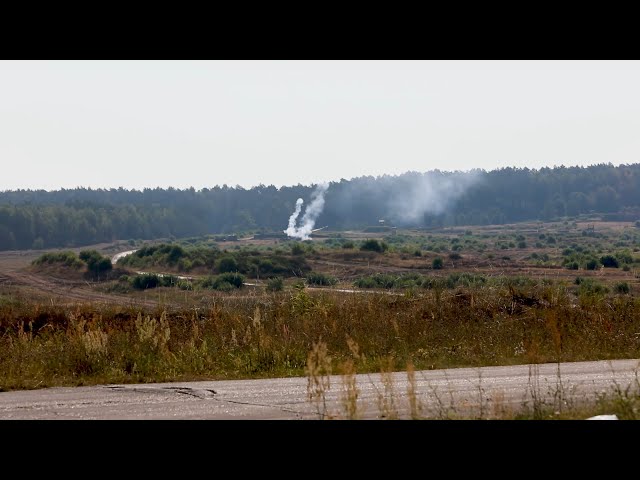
<point x="142" y="124"/>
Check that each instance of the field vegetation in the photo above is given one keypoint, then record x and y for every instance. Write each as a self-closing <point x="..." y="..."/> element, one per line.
<point x="194" y="308"/>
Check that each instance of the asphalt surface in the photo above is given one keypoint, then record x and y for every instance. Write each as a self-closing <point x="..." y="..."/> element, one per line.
<point x="461" y="392"/>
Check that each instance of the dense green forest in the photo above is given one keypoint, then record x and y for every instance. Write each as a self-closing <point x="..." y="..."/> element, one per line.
<point x="83" y="216"/>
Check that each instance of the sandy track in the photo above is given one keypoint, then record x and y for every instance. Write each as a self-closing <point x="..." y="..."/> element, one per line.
<point x="69" y="290"/>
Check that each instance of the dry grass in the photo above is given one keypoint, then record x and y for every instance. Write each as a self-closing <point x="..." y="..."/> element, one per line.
<point x="267" y="335"/>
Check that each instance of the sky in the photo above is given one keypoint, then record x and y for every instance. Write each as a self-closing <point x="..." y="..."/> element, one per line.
<point x="138" y="124"/>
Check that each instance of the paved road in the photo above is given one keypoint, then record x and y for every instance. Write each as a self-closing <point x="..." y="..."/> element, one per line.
<point x="439" y="393"/>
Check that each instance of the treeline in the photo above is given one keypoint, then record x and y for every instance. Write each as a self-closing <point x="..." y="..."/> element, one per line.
<point x="83" y="216"/>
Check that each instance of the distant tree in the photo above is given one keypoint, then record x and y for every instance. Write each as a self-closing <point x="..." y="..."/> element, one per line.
<point x="77" y="217"/>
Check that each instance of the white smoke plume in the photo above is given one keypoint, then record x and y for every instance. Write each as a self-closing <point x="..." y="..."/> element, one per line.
<point x="294" y="216"/>
<point x="431" y="193"/>
<point x="311" y="213"/>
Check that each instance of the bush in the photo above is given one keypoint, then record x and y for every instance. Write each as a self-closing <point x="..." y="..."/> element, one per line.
<point x="382" y="280"/>
<point x="366" y="282"/>
<point x="221" y="282"/>
<point x="591" y="264"/>
<point x="145" y="281"/>
<point x="275" y="284"/>
<point x="96" y="263"/>
<point x="591" y="287"/>
<point x="223" y="286"/>
<point x="67" y="258"/>
<point x="373" y="245"/>
<point x="609" y="261"/>
<point x="624" y="257"/>
<point x="184" y="285"/>
<point x="321" y="279"/>
<point x="227" y="264"/>
<point x="234" y="279"/>
<point x="622" y="287"/>
<point x="464" y="279"/>
<point x="348" y="244"/>
<point x="297" y="249"/>
<point x="437" y="263"/>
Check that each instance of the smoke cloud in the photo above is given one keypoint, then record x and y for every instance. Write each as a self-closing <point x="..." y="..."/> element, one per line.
<point x="431" y="193"/>
<point x="294" y="216"/>
<point x="311" y="213"/>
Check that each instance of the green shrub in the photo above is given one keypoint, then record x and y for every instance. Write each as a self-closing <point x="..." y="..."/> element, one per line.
<point x="379" y="280"/>
<point x="221" y="282"/>
<point x="265" y="266"/>
<point x="622" y="287"/>
<point x="609" y="261"/>
<point x="227" y="264"/>
<point x="591" y="264"/>
<point x="297" y="249"/>
<point x="234" y="279"/>
<point x="275" y="284"/>
<point x="145" y="281"/>
<point x="316" y="278"/>
<point x="224" y="286"/>
<point x="96" y="263"/>
<point x="437" y="263"/>
<point x="365" y="282"/>
<point x="589" y="286"/>
<point x="67" y="258"/>
<point x="373" y="245"/>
